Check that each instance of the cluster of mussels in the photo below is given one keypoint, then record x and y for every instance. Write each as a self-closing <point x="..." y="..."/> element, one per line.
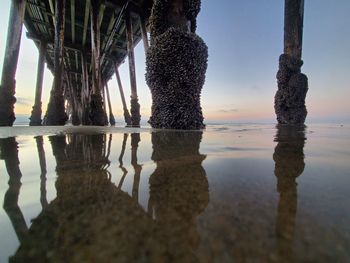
<point x="292" y="88"/>
<point x="175" y="69"/>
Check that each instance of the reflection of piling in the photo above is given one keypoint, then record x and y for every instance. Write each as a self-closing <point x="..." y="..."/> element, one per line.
<point x="41" y="153"/>
<point x="289" y="164"/>
<point x="135" y="139"/>
<point x="120" y="159"/>
<point x="178" y="191"/>
<point x="90" y="220"/>
<point x="9" y="153"/>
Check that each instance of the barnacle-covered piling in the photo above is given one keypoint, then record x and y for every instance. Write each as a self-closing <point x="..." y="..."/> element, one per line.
<point x="292" y="84"/>
<point x="292" y="88"/>
<point x="176" y="64"/>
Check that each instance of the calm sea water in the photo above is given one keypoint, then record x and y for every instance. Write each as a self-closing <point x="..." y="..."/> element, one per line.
<point x="232" y="193"/>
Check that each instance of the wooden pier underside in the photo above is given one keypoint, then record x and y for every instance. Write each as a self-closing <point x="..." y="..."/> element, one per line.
<point x="39" y="22"/>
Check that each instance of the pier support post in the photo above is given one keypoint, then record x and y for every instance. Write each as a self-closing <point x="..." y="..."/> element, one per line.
<point x="85" y="92"/>
<point x="97" y="114"/>
<point x="35" y="118"/>
<point x="135" y="106"/>
<point x="111" y="116"/>
<point x="8" y="82"/>
<point x="176" y="64"/>
<point x="292" y="84"/>
<point x="55" y="114"/>
<point x="127" y="117"/>
<point x="104" y="103"/>
<point x="73" y="101"/>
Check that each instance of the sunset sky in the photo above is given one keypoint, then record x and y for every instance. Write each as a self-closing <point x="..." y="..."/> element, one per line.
<point x="245" y="39"/>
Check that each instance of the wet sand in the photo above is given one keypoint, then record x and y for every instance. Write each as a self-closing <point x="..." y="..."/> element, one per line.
<point x="231" y="193"/>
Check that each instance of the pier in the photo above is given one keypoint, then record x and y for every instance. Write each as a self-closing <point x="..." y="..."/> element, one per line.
<point x="83" y="43"/>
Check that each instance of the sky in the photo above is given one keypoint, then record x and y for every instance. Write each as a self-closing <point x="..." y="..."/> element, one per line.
<point x="245" y="39"/>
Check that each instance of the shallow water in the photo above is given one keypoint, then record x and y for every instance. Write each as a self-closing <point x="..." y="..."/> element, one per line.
<point x="243" y="193"/>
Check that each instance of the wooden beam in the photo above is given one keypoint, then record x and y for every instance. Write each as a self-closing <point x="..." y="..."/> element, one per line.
<point x="293" y="27"/>
<point x="8" y="82"/>
<point x="144" y="33"/>
<point x="101" y="14"/>
<point x="135" y="106"/>
<point x="86" y="20"/>
<point x="115" y="27"/>
<point x="111" y="116"/>
<point x="95" y="47"/>
<point x="72" y="15"/>
<point x="127" y="117"/>
<point x="52" y="9"/>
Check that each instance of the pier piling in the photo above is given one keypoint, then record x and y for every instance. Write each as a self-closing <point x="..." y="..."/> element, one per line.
<point x="292" y="84"/>
<point x="8" y="77"/>
<point x="55" y="114"/>
<point x="127" y="117"/>
<point x="35" y="118"/>
<point x="135" y="106"/>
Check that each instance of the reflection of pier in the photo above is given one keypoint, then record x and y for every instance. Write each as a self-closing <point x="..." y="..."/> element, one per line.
<point x="93" y="220"/>
<point x="179" y="191"/>
<point x="289" y="164"/>
<point x="9" y="153"/>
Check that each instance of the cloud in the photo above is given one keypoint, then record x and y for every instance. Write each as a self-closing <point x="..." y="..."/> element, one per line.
<point x="24" y="101"/>
<point x="228" y="110"/>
